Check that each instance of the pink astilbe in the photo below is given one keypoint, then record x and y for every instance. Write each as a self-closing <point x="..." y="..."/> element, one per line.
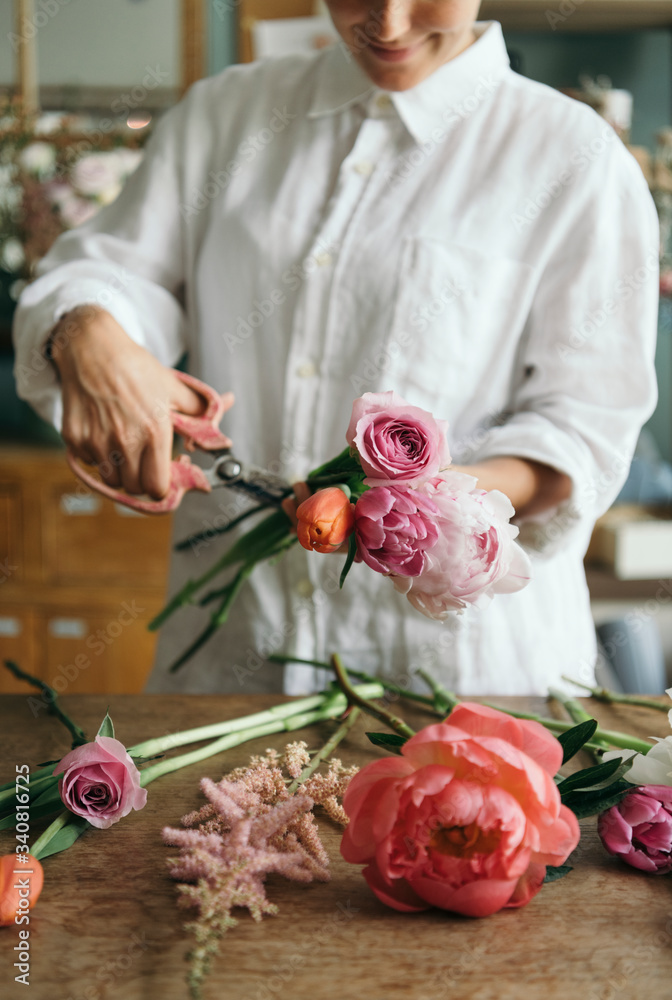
<point x="252" y="826"/>
<point x="328" y="789"/>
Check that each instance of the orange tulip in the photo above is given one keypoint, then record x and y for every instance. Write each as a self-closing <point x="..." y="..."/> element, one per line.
<point x="325" y="520"/>
<point x="20" y="886"/>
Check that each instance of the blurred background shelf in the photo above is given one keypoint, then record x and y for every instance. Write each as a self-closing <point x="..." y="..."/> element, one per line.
<point x="578" y="15"/>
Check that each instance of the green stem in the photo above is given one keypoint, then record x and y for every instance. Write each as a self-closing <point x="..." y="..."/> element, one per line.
<point x="360" y="675"/>
<point x="282" y="712"/>
<point x="443" y="701"/>
<point x="228" y="595"/>
<point x="354" y="698"/>
<point x="617" y="739"/>
<point x="334" y="706"/>
<point x="78" y="735"/>
<point x="250" y="547"/>
<point x="604" y="694"/>
<point x="577" y="713"/>
<point x="575" y="710"/>
<point x="203" y="536"/>
<point x="51" y="831"/>
<point x="326" y="750"/>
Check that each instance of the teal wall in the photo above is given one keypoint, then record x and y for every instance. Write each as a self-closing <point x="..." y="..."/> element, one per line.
<point x="638" y="61"/>
<point x="222" y="21"/>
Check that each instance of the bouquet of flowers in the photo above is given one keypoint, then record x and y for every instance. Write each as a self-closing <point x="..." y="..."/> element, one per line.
<point x="393" y="500"/>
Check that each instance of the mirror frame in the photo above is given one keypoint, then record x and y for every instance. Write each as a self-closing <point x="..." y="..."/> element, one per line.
<point x="193" y="49"/>
<point x="194" y="20"/>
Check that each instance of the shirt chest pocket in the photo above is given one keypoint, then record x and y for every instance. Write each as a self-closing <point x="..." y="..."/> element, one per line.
<point x="457" y="324"/>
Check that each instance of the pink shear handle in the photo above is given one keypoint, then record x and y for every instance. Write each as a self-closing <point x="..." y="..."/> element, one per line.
<point x="201" y="431"/>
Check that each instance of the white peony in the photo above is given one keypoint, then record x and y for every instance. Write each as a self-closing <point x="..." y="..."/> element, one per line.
<point x="38" y="158"/>
<point x="12" y="255"/>
<point x="652" y="768"/>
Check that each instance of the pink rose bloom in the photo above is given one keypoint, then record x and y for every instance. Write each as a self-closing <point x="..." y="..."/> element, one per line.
<point x="396" y="441"/>
<point x="466" y="819"/>
<point x="395" y="526"/>
<point x="100" y="782"/>
<point x="639" y="829"/>
<point x="475" y="557"/>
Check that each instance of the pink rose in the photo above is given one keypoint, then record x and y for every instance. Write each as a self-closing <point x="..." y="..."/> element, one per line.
<point x="396" y="441"/>
<point x="475" y="556"/>
<point x="466" y="819"/>
<point x="395" y="526"/>
<point x="639" y="829"/>
<point x="100" y="782"/>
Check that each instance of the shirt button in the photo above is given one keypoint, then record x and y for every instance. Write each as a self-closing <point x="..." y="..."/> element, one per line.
<point x="306" y="370"/>
<point x="365" y="168"/>
<point x="304" y="588"/>
<point x="383" y="102"/>
<point x="322" y="259"/>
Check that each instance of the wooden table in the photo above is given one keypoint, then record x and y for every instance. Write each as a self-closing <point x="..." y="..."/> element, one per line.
<point x="107" y="928"/>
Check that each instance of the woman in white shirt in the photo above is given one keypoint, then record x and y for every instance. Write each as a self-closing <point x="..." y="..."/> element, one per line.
<point x="401" y="211"/>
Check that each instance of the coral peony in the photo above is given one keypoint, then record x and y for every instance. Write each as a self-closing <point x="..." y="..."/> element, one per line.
<point x="325" y="520"/>
<point x="465" y="820"/>
<point x="100" y="782"/>
<point x="20" y="885"/>
<point x="475" y="556"/>
<point x="639" y="829"/>
<point x="396" y="441"/>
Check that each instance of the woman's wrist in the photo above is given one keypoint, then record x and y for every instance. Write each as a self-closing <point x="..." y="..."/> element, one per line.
<point x="532" y="487"/>
<point x="70" y="327"/>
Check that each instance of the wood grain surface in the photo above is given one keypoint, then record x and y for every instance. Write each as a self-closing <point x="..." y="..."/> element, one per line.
<point x="107" y="928"/>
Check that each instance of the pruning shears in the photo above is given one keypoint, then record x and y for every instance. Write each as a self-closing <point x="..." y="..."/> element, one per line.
<point x="200" y="432"/>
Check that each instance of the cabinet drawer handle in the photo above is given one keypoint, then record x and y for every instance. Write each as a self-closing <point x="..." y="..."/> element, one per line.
<point x="74" y="504"/>
<point x="10" y="626"/>
<point x="67" y="628"/>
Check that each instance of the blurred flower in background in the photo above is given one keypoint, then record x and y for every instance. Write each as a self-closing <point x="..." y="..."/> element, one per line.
<point x="56" y="171"/>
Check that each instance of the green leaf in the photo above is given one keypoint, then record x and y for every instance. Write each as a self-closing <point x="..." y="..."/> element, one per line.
<point x="352" y="552"/>
<point x="65" y="837"/>
<point x="106" y="726"/>
<point x="36" y="812"/>
<point x="573" y="739"/>
<point x="388" y="741"/>
<point x="590" y="776"/>
<point x="557" y="872"/>
<point x="345" y="462"/>
<point x="48" y="795"/>
<point x="8" y="800"/>
<point x="585" y="804"/>
<point x="258" y="543"/>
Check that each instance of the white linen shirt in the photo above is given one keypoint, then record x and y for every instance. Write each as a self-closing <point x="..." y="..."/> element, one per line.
<point x="480" y="243"/>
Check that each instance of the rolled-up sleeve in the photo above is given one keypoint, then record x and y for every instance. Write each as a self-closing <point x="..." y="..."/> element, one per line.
<point x="128" y="259"/>
<point x="585" y="381"/>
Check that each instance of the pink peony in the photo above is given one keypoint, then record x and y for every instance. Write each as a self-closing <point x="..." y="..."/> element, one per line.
<point x="476" y="555"/>
<point x="395" y="526"/>
<point x="100" y="782"/>
<point x="396" y="441"/>
<point x="466" y="819"/>
<point x="639" y="829"/>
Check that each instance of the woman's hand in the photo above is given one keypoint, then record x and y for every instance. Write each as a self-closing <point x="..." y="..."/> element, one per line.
<point x="530" y="486"/>
<point x="117" y="401"/>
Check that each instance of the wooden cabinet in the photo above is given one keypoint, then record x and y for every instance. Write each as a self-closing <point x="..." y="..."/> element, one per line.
<point x="80" y="579"/>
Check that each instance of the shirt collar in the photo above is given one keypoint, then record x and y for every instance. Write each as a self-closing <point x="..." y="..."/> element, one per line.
<point x="460" y="85"/>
